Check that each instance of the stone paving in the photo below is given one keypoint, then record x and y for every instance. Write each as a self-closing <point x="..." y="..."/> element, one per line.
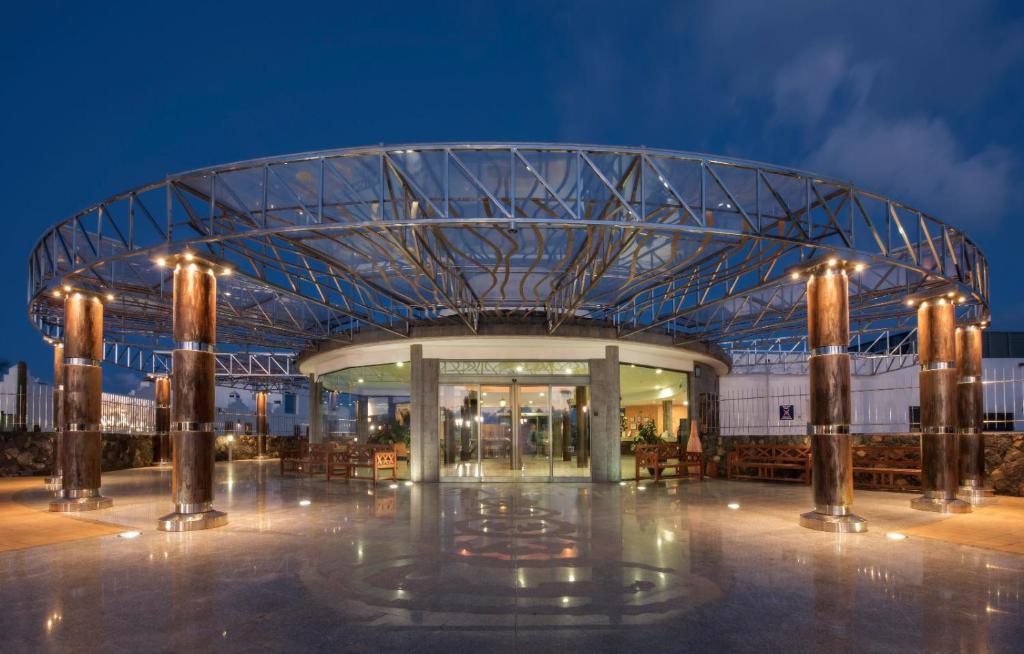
<point x="304" y="565"/>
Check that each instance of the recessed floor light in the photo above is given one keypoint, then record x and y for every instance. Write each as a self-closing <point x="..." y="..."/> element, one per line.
<point x="408" y="483"/>
<point x="895" y="535"/>
<point x="392" y="485"/>
<point x="304" y="502"/>
<point x="129" y="534"/>
<point x="733" y="505"/>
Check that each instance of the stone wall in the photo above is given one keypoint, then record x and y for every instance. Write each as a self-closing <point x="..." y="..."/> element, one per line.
<point x="24" y="454"/>
<point x="244" y="447"/>
<point x="1004" y="453"/>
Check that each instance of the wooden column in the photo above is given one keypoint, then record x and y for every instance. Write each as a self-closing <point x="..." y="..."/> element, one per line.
<point x="936" y="351"/>
<point x="21" y="398"/>
<point x="192" y="411"/>
<point x="162" y="400"/>
<point x="582" y="433"/>
<point x="974" y="488"/>
<point x="82" y="414"/>
<point x="828" y="336"/>
<point x="261" y="425"/>
<point x="55" y="481"/>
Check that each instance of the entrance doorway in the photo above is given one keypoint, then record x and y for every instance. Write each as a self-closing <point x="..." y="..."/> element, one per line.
<point x="507" y="430"/>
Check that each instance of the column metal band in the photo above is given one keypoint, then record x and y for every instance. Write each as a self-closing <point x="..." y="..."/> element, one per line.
<point x="192" y="426"/>
<point x="198" y="507"/>
<point x="938" y="429"/>
<point x="938" y="365"/>
<point x="194" y="346"/>
<point x="970" y="431"/>
<point x="969" y="379"/>
<point x="75" y="493"/>
<point x="828" y="430"/>
<point x="828" y="349"/>
<point x="832" y="509"/>
<point x="81" y="426"/>
<point x="80" y="361"/>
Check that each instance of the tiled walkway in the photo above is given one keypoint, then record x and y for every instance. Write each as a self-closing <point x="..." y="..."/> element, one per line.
<point x="304" y="565"/>
<point x="23" y="526"/>
<point x="999" y="527"/>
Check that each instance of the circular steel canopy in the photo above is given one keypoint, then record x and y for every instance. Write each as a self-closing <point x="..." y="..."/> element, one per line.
<point x="327" y="244"/>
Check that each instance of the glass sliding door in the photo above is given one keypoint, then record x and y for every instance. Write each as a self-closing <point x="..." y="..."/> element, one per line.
<point x="499" y="429"/>
<point x="534" y="442"/>
<point x="459" y="430"/>
<point x="570" y="417"/>
<point x="496" y="435"/>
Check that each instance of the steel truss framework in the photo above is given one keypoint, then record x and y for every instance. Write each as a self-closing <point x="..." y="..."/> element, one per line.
<point x="256" y="370"/>
<point x="886" y="351"/>
<point x="327" y="244"/>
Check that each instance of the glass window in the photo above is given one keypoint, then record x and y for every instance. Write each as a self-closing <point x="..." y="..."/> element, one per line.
<point x="370" y="404"/>
<point x="654" y="404"/>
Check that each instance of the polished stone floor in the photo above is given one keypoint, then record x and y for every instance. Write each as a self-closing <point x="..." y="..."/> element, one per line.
<point x="309" y="566"/>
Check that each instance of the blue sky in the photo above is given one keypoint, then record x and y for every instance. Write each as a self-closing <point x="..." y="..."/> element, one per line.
<point x="919" y="100"/>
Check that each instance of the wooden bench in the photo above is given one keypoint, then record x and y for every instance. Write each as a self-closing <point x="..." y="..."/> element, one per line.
<point x="376" y="458"/>
<point x="879" y="466"/>
<point x="306" y="460"/>
<point x="769" y="462"/>
<point x="657" y="457"/>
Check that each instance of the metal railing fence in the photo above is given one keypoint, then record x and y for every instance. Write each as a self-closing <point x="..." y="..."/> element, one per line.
<point x="888" y="408"/>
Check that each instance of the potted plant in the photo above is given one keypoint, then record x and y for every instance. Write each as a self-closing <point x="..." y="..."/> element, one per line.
<point x="647" y="434"/>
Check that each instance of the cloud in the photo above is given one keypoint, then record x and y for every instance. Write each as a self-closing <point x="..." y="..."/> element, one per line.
<point x="815" y="83"/>
<point x="918" y="160"/>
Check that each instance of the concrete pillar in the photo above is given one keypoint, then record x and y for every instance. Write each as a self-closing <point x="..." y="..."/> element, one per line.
<point x="604" y="417"/>
<point x="666" y="417"/>
<point x="363" y="418"/>
<point x="261" y="425"/>
<point x="193" y="408"/>
<point x="316" y="420"/>
<point x="162" y="400"/>
<point x="974" y="488"/>
<point x="55" y="481"/>
<point x="936" y="351"/>
<point x="424" y="454"/>
<point x="828" y="364"/>
<point x="81" y="461"/>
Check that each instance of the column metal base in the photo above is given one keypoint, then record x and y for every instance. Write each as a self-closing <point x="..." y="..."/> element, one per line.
<point x="75" y="504"/>
<point x="841" y="524"/>
<point x="53" y="483"/>
<point x="977" y="495"/>
<point x="940" y="505"/>
<point x="192" y="521"/>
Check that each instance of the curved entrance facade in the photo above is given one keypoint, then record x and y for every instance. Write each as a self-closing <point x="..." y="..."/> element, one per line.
<point x="512" y="404"/>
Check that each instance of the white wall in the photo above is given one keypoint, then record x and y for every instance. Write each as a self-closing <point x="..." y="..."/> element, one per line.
<point x="749" y="403"/>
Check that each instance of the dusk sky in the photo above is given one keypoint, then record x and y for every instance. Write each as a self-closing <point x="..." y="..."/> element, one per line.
<point x="922" y="101"/>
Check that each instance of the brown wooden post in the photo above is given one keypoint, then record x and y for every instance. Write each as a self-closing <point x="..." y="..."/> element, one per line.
<point x="21" y="398"/>
<point x="55" y="481"/>
<point x="974" y="488"/>
<point x="936" y="351"/>
<point x="828" y="337"/>
<point x="81" y="460"/>
<point x="192" y="409"/>
<point x="261" y="425"/>
<point x="582" y="432"/>
<point x="162" y="399"/>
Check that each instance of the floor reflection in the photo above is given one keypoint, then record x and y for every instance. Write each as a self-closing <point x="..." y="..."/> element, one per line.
<point x="304" y="564"/>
